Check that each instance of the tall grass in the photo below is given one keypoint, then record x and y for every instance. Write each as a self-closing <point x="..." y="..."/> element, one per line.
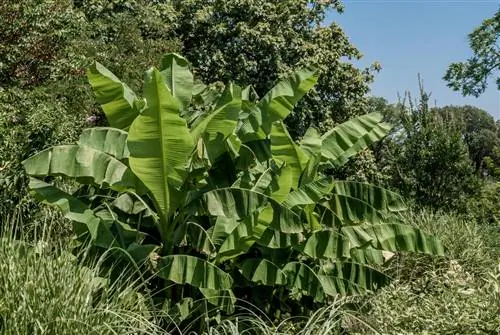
<point x="45" y="290"/>
<point x="455" y="294"/>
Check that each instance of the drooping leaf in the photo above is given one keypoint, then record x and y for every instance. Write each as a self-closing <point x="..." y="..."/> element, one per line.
<point x="354" y="202"/>
<point x="243" y="237"/>
<point x="108" y="140"/>
<point x="277" y="240"/>
<point x="397" y="237"/>
<point x="86" y="165"/>
<point x="223" y="299"/>
<point x="160" y="144"/>
<point x="240" y="203"/>
<point x="303" y="280"/>
<point x="367" y="255"/>
<point x="284" y="149"/>
<point x="262" y="272"/>
<point x="311" y="193"/>
<point x="184" y="269"/>
<point x="346" y="278"/>
<point x="353" y="136"/>
<point x="326" y="244"/>
<point x="179" y="79"/>
<point x="75" y="210"/>
<point x="117" y="100"/>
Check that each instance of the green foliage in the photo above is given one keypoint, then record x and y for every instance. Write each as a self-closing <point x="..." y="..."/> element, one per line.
<point x="240" y="40"/>
<point x="225" y="201"/>
<point x="428" y="160"/>
<point x="471" y="77"/>
<point x="479" y="131"/>
<point x="44" y="97"/>
<point x="457" y="294"/>
<point x="45" y="290"/>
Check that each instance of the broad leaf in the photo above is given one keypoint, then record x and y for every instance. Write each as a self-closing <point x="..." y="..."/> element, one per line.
<point x="179" y="79"/>
<point x="184" y="269"/>
<point x="86" y="165"/>
<point x="263" y="272"/>
<point x="108" y="140"/>
<point x="75" y="210"/>
<point x="311" y="193"/>
<point x="117" y="100"/>
<point x="354" y="202"/>
<point x="303" y="280"/>
<point x="284" y="149"/>
<point x="353" y="136"/>
<point x="397" y="237"/>
<point x="240" y="203"/>
<point x="346" y="278"/>
<point x="160" y="144"/>
<point x="279" y="102"/>
<point x="223" y="119"/>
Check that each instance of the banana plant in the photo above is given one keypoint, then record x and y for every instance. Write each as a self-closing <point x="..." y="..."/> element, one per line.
<point x="219" y="201"/>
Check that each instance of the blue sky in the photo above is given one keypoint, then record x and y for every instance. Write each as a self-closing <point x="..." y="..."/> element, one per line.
<point x="410" y="37"/>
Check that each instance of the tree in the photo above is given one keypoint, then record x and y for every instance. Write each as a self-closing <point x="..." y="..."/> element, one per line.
<point x="256" y="42"/>
<point x="470" y="77"/>
<point x="220" y="202"/>
<point x="478" y="129"/>
<point x="428" y="159"/>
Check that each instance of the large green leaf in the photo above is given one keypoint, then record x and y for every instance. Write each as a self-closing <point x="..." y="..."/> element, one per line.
<point x="274" y="239"/>
<point x="347" y="278"/>
<point x="224" y="299"/>
<point x="275" y="182"/>
<point x="179" y="79"/>
<point x="75" y="210"/>
<point x="243" y="237"/>
<point x="354" y="202"/>
<point x="279" y="102"/>
<point x="311" y="193"/>
<point x="184" y="269"/>
<point x="396" y="237"/>
<point x="108" y="140"/>
<point x="240" y="203"/>
<point x="86" y="165"/>
<point x="351" y="137"/>
<point x="284" y="149"/>
<point x="160" y="144"/>
<point x="263" y="272"/>
<point x="117" y="100"/>
<point x="326" y="244"/>
<point x="302" y="279"/>
<point x="223" y="119"/>
<point x="311" y="142"/>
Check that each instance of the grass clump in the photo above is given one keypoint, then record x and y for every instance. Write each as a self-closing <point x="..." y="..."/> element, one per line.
<point x="44" y="290"/>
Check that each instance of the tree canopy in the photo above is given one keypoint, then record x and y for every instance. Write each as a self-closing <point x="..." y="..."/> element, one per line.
<point x="471" y="77"/>
<point x="257" y="42"/>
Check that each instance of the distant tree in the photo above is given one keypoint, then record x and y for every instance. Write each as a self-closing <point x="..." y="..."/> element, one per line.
<point x="470" y="77"/>
<point x="427" y="158"/>
<point x="258" y="41"/>
<point x="478" y="128"/>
